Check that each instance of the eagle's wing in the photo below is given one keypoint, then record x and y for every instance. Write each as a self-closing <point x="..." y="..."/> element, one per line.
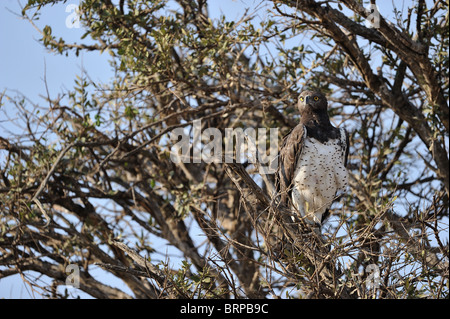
<point x="290" y="151"/>
<point x="347" y="147"/>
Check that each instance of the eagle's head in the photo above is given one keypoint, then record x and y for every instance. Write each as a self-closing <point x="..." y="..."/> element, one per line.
<point x="312" y="101"/>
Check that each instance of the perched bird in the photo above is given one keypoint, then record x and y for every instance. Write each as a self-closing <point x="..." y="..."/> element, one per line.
<point x="313" y="158"/>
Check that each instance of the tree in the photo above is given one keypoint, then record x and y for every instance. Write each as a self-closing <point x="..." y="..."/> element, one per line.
<point x="91" y="182"/>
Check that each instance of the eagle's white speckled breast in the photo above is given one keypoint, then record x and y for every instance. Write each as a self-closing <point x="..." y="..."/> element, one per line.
<point x="319" y="175"/>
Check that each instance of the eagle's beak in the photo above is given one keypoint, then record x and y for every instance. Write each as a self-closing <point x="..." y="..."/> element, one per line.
<point x="307" y="99"/>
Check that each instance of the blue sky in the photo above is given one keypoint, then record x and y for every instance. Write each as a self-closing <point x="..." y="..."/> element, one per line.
<point x="23" y="59"/>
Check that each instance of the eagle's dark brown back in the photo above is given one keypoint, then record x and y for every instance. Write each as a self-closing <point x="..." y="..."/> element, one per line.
<point x="290" y="150"/>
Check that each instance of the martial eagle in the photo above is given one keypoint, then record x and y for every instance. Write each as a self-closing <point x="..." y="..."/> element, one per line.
<point x="313" y="159"/>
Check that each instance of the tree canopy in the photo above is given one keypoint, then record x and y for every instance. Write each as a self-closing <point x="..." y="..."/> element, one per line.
<point x="88" y="179"/>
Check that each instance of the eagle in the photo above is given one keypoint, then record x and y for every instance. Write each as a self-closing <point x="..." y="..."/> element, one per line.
<point x="312" y="161"/>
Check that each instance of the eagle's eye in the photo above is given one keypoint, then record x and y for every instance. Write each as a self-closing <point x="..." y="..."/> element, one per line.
<point x="301" y="99"/>
<point x="316" y="98"/>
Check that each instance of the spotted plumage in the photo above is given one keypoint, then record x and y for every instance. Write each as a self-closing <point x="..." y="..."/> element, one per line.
<point x="313" y="161"/>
